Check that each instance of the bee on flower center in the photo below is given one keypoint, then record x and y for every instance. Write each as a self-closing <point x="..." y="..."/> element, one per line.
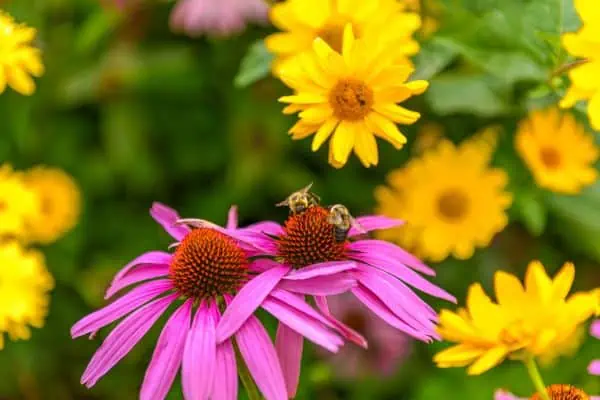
<point x="342" y="221"/>
<point x="300" y="201"/>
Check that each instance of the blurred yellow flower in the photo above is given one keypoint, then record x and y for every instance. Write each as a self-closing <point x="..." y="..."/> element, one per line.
<point x="557" y="150"/>
<point x="350" y="96"/>
<point x="18" y="58"/>
<point x="304" y="20"/>
<point x="585" y="77"/>
<point x="525" y="322"/>
<point x="18" y="204"/>
<point x="450" y="198"/>
<point x="60" y="203"/>
<point x="24" y="287"/>
<point x="428" y="10"/>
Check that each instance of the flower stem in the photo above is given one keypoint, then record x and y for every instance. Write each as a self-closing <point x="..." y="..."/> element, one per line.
<point x="246" y="378"/>
<point x="536" y="378"/>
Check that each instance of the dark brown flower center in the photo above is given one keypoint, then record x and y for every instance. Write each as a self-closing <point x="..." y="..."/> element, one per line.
<point x="309" y="239"/>
<point x="207" y="264"/>
<point x="453" y="205"/>
<point x="351" y="99"/>
<point x="563" y="392"/>
<point x="550" y="157"/>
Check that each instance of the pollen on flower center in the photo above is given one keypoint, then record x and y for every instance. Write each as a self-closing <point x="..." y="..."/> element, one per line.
<point x="550" y="157"/>
<point x="453" y="205"/>
<point x="563" y="392"/>
<point x="310" y="239"/>
<point x="351" y="99"/>
<point x="207" y="264"/>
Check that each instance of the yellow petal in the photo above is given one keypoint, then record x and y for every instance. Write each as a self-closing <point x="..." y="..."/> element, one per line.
<point x="342" y="142"/>
<point x="323" y="133"/>
<point x="509" y="290"/>
<point x="458" y="355"/>
<point x="594" y="111"/>
<point x="316" y="115"/>
<point x="455" y="327"/>
<point x="537" y="282"/>
<point x="20" y="81"/>
<point x="385" y="129"/>
<point x="397" y="114"/>
<point x="348" y="42"/>
<point x="328" y="59"/>
<point x="488" y="360"/>
<point x="366" y="147"/>
<point x="303" y="98"/>
<point x="563" y="281"/>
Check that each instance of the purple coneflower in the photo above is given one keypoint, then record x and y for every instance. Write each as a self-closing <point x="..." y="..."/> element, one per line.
<point x="594" y="367"/>
<point x="388" y="347"/>
<point x="217" y="17"/>
<point x="210" y="271"/>
<point x="383" y="271"/>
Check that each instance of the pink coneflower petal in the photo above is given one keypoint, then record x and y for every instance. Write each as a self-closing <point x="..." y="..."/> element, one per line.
<point x="302" y="323"/>
<point x="289" y="344"/>
<point x="396" y="301"/>
<point x="297" y="302"/>
<point x="232" y="218"/>
<point x="344" y="329"/>
<point x="373" y="246"/>
<point x="321" y="269"/>
<point x="247" y="300"/>
<point x="200" y="354"/>
<point x="261" y="358"/>
<point x="168" y="354"/>
<point x="139" y="274"/>
<point x="120" y="307"/>
<point x="370" y="223"/>
<point x="594" y="367"/>
<point x="401" y="271"/>
<point x="595" y="329"/>
<point x="369" y="299"/>
<point x="122" y="339"/>
<point x="151" y="257"/>
<point x="408" y="295"/>
<point x="226" y="386"/>
<point x="167" y="217"/>
<point x="327" y="285"/>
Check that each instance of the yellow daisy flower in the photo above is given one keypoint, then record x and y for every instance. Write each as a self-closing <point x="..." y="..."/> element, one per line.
<point x="350" y="96"/>
<point x="60" y="203"/>
<point x="24" y="287"/>
<point x="302" y="21"/>
<point x="18" y="58"/>
<point x="450" y="198"/>
<point x="428" y="10"/>
<point x="526" y="322"/>
<point x="18" y="204"/>
<point x="585" y="76"/>
<point x="557" y="150"/>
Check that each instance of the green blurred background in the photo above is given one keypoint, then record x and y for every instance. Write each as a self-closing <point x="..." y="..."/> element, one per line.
<point x="138" y="114"/>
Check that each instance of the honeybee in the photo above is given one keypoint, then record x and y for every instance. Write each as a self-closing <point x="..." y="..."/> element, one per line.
<point x="342" y="221"/>
<point x="301" y="200"/>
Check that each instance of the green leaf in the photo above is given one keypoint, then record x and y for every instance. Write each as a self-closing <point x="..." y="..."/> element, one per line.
<point x="434" y="56"/>
<point x="452" y="93"/>
<point x="509" y="66"/>
<point x="579" y="218"/>
<point x="532" y="211"/>
<point x="255" y="66"/>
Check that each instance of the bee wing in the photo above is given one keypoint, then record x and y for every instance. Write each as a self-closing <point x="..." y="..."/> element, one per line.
<point x="284" y="203"/>
<point x="306" y="189"/>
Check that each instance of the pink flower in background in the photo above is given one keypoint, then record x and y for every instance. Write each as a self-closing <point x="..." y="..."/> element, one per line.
<point x="594" y="367"/>
<point x="217" y="17"/>
<point x="208" y="274"/>
<point x="388" y="347"/>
